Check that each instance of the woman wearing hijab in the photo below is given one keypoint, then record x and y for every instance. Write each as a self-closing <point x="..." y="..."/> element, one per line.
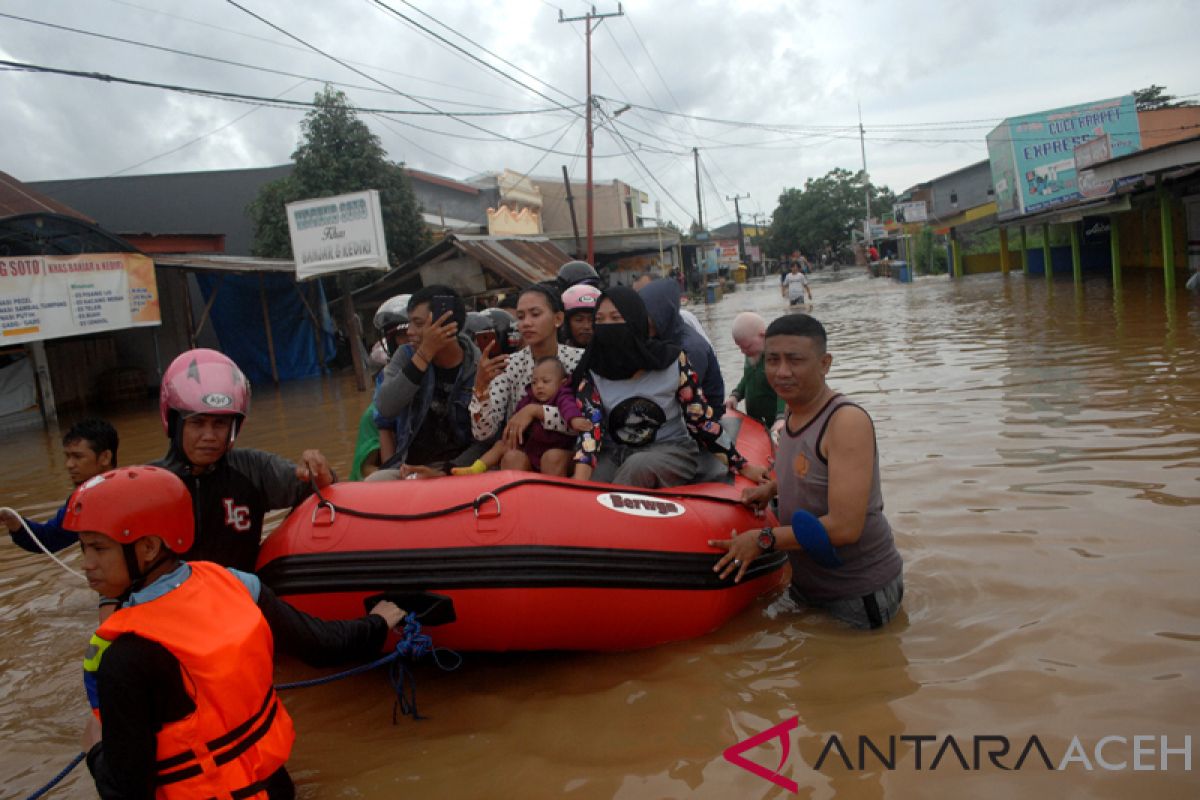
<point x="645" y="403"/>
<point x="662" y="305"/>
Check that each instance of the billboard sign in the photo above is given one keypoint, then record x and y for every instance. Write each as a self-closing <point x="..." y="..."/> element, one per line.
<point x="48" y="297"/>
<point x="336" y="234"/>
<point x="1093" y="151"/>
<point x="1033" y="156"/>
<point x="910" y="212"/>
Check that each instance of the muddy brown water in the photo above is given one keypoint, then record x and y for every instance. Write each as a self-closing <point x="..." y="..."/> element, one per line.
<point x="1041" y="467"/>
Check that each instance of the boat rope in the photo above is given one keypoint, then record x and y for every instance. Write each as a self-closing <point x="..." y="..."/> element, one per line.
<point x="57" y="779"/>
<point x="43" y="547"/>
<point x="413" y="644"/>
<point x="475" y="504"/>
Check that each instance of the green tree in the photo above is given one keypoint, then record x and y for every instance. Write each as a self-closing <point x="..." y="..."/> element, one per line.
<point x="338" y="154"/>
<point x="1155" y="96"/>
<point x="824" y="212"/>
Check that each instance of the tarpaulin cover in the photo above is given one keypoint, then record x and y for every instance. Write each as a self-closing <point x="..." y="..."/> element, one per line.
<point x="237" y="318"/>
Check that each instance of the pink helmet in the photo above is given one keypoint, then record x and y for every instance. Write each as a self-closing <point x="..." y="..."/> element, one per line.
<point x="203" y="381"/>
<point x="580" y="297"/>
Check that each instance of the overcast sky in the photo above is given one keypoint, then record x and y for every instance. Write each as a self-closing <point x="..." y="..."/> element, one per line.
<point x="932" y="78"/>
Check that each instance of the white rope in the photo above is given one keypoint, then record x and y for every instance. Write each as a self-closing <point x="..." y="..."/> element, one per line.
<point x="38" y="542"/>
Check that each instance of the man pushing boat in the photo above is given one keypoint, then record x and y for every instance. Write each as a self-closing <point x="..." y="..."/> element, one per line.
<point x="203" y="402"/>
<point x="844" y="559"/>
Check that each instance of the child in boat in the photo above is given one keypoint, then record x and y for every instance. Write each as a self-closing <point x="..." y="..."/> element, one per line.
<point x="550" y="386"/>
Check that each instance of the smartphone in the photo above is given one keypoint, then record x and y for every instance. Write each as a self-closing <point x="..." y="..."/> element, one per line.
<point x="439" y="304"/>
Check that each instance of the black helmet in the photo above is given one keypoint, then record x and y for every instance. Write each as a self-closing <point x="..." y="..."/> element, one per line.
<point x="508" y="338"/>
<point x="391" y="320"/>
<point x="574" y="272"/>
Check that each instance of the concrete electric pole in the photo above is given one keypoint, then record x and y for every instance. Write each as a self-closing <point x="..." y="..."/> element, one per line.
<point x="589" y="27"/>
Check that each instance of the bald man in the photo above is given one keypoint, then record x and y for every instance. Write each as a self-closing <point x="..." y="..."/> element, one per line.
<point x="749" y="334"/>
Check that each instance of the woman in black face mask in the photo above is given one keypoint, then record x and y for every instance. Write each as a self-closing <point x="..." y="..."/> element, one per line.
<point x="645" y="403"/>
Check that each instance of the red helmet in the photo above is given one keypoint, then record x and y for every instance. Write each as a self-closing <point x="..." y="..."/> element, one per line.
<point x="580" y="297"/>
<point x="203" y="382"/>
<point x="130" y="503"/>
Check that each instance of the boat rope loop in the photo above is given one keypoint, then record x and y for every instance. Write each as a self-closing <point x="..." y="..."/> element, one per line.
<point x="413" y="644"/>
<point x="43" y="547"/>
<point x="493" y="496"/>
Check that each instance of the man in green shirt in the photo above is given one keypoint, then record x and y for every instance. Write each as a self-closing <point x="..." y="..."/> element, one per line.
<point x="749" y="334"/>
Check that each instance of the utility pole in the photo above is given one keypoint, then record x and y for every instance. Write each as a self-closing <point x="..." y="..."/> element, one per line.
<point x="699" y="203"/>
<point x="738" y="213"/>
<point x="571" y="208"/>
<point x="587" y="20"/>
<point x="862" y="141"/>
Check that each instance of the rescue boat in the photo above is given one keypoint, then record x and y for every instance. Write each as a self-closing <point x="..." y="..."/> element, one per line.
<point x="525" y="561"/>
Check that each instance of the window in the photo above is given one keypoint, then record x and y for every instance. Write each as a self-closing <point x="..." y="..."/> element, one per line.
<point x="954" y="198"/>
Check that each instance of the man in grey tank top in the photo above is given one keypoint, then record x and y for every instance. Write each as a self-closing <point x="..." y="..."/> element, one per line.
<point x="843" y="556"/>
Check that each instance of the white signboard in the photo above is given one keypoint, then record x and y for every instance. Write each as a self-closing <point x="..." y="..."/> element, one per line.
<point x="336" y="234"/>
<point x="910" y="212"/>
<point x="48" y="297"/>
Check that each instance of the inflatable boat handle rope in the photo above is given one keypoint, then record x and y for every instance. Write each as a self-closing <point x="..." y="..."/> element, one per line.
<point x="334" y="508"/>
<point x="413" y="644"/>
<point x="43" y="547"/>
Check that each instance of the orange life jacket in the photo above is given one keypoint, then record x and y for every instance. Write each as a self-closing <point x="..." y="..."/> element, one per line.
<point x="240" y="733"/>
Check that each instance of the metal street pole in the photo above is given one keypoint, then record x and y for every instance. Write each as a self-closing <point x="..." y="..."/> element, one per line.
<point x="862" y="141"/>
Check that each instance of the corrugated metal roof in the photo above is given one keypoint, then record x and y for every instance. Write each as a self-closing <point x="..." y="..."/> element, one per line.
<point x="18" y="198"/>
<point x="215" y="263"/>
<point x="519" y="260"/>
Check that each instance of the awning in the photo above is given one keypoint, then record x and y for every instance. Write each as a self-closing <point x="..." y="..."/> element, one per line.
<point x="1166" y="157"/>
<point x="1074" y="212"/>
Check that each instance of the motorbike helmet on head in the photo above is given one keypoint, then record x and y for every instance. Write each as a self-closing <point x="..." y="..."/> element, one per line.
<point x="575" y="272"/>
<point x="580" y="297"/>
<point x="203" y="381"/>
<point x="131" y="503"/>
<point x="391" y="320"/>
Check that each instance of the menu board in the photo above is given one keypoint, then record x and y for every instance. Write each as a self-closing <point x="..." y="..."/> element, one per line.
<point x="48" y="297"/>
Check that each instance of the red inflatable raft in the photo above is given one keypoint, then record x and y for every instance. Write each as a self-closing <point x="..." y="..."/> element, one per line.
<point x="528" y="562"/>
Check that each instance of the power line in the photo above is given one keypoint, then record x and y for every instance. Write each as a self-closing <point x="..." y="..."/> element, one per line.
<point x="288" y="46"/>
<point x="481" y="47"/>
<point x="277" y="102"/>
<point x="612" y="129"/>
<point x="474" y="57"/>
<point x="268" y="70"/>
<point x="202" y="136"/>
<point x="335" y="59"/>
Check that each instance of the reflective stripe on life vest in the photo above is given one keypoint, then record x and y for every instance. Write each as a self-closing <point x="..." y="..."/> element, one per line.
<point x="240" y="734"/>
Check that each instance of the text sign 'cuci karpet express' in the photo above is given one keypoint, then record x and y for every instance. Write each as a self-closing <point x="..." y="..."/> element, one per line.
<point x="48" y="297"/>
<point x="336" y="234"/>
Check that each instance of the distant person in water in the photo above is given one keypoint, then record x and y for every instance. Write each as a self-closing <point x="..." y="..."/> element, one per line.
<point x="89" y="449"/>
<point x="762" y="404"/>
<point x="844" y="558"/>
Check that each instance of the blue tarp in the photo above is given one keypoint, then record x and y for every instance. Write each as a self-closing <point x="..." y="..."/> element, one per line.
<point x="237" y="319"/>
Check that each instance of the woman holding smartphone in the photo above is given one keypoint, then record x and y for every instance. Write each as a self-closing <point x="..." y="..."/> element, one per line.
<point x="500" y="380"/>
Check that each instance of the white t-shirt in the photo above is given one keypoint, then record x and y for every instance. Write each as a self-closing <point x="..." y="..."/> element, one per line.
<point x="796" y="283"/>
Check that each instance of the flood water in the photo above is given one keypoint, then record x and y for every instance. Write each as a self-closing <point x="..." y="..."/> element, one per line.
<point x="1041" y="467"/>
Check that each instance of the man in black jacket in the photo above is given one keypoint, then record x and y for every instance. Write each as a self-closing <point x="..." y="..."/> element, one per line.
<point x="203" y="403"/>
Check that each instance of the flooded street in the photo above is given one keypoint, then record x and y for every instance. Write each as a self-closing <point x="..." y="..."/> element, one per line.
<point x="1040" y="448"/>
